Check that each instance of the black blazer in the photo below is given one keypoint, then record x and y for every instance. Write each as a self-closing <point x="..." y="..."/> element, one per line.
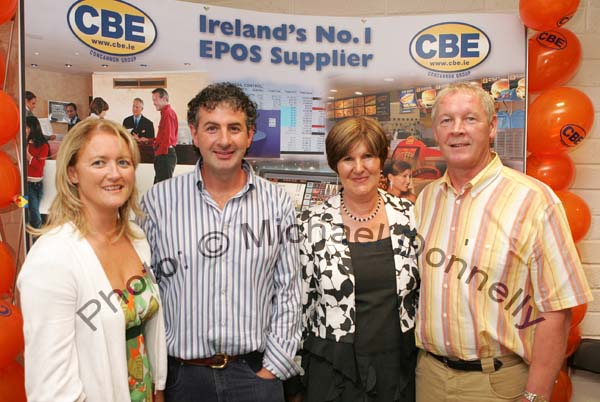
<point x="145" y="127"/>
<point x="77" y="120"/>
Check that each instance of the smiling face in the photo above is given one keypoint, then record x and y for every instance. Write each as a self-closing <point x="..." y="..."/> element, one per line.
<point x="104" y="173"/>
<point x="464" y="133"/>
<point x="137" y="108"/>
<point x="401" y="181"/>
<point x="359" y="171"/>
<point x="222" y="137"/>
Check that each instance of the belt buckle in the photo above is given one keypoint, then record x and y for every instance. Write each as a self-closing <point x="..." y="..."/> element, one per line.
<point x="222" y="365"/>
<point x="445" y="361"/>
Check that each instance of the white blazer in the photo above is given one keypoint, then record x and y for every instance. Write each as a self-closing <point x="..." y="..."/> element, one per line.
<point x="75" y="347"/>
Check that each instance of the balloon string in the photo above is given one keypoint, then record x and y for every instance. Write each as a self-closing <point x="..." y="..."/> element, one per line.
<point x="12" y="26"/>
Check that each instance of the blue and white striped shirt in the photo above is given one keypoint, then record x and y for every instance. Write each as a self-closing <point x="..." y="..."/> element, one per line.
<point x="229" y="279"/>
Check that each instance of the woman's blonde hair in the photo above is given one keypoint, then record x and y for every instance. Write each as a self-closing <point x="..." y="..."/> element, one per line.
<point x="67" y="206"/>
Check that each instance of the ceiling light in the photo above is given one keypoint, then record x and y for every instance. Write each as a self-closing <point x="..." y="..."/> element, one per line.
<point x="388" y="79"/>
<point x="331" y="97"/>
<point x="333" y="90"/>
<point x="143" y="65"/>
<point x="36" y="53"/>
<point x="34" y="65"/>
<point x="67" y="65"/>
<point x="104" y="65"/>
<point x="76" y="53"/>
<point x="358" y="93"/>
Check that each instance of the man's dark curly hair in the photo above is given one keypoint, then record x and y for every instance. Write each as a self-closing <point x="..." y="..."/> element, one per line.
<point x="216" y="94"/>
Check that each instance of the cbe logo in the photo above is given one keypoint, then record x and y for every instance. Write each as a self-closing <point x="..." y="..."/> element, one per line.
<point x="552" y="40"/>
<point x="571" y="135"/>
<point x="112" y="26"/>
<point x="5" y="311"/>
<point x="450" y="47"/>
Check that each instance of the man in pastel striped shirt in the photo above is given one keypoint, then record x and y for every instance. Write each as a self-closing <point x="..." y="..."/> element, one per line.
<point x="226" y="257"/>
<point x="499" y="270"/>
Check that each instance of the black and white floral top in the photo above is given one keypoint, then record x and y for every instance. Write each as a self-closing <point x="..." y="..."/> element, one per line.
<point x="328" y="277"/>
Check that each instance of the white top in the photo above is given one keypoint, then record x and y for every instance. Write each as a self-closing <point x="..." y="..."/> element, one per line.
<point x="75" y="347"/>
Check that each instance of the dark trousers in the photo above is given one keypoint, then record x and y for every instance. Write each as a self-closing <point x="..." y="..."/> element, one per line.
<point x="34" y="196"/>
<point x="164" y="165"/>
<point x="237" y="382"/>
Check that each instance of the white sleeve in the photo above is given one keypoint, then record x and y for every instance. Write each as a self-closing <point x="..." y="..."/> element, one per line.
<point x="48" y="292"/>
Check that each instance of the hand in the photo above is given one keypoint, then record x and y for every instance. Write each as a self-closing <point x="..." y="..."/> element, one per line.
<point x="159" y="396"/>
<point x="52" y="137"/>
<point x="294" y="398"/>
<point x="265" y="374"/>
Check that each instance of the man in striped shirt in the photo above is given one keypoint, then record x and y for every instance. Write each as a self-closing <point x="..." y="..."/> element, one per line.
<point x="226" y="258"/>
<point x="499" y="270"/>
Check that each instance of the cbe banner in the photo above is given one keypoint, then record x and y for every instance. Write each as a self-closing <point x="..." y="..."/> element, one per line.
<point x="305" y="72"/>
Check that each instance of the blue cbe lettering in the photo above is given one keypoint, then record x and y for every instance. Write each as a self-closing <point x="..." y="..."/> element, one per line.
<point x="448" y="45"/>
<point x="112" y="24"/>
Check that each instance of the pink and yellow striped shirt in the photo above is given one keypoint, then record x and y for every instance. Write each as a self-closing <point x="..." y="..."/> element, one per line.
<point x="492" y="257"/>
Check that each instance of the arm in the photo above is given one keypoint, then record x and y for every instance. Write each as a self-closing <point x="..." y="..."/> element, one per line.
<point x="284" y="327"/>
<point x="550" y="335"/>
<point x="48" y="300"/>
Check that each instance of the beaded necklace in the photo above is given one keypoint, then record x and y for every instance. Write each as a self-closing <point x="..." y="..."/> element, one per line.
<point x="356" y="218"/>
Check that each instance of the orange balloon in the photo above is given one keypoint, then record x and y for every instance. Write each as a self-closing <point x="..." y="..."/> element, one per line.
<point x="11" y="333"/>
<point x="578" y="214"/>
<point x="543" y="15"/>
<point x="563" y="388"/>
<point x="558" y="120"/>
<point x="7" y="270"/>
<point x="9" y="118"/>
<point x="577" y="314"/>
<point x="12" y="383"/>
<point x="573" y="341"/>
<point x="554" y="57"/>
<point x="557" y="171"/>
<point x="10" y="184"/>
<point x="8" y="8"/>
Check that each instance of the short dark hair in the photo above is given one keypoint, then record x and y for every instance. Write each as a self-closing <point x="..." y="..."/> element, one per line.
<point x="161" y="92"/>
<point x="395" y="167"/>
<point x="29" y="95"/>
<point x="98" y="106"/>
<point x="223" y="92"/>
<point x="74" y="106"/>
<point x="348" y="133"/>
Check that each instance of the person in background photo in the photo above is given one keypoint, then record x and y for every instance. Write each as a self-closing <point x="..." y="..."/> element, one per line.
<point x="165" y="157"/>
<point x="98" y="108"/>
<point x="38" y="151"/>
<point x="498" y="266"/>
<point x="360" y="278"/>
<point x="399" y="178"/>
<point x="141" y="127"/>
<point x="72" y="117"/>
<point x="30" y="103"/>
<point x="92" y="320"/>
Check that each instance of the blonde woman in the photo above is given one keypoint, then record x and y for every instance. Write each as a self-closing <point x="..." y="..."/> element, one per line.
<point x="92" y="321"/>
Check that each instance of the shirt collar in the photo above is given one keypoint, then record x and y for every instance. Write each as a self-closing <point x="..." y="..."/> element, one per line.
<point x="250" y="177"/>
<point x="479" y="182"/>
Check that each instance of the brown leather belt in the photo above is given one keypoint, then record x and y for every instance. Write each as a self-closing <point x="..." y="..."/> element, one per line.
<point x="220" y="360"/>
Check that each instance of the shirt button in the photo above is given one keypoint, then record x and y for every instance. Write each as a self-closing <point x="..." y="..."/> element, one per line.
<point x="445" y="286"/>
<point x="444" y="315"/>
